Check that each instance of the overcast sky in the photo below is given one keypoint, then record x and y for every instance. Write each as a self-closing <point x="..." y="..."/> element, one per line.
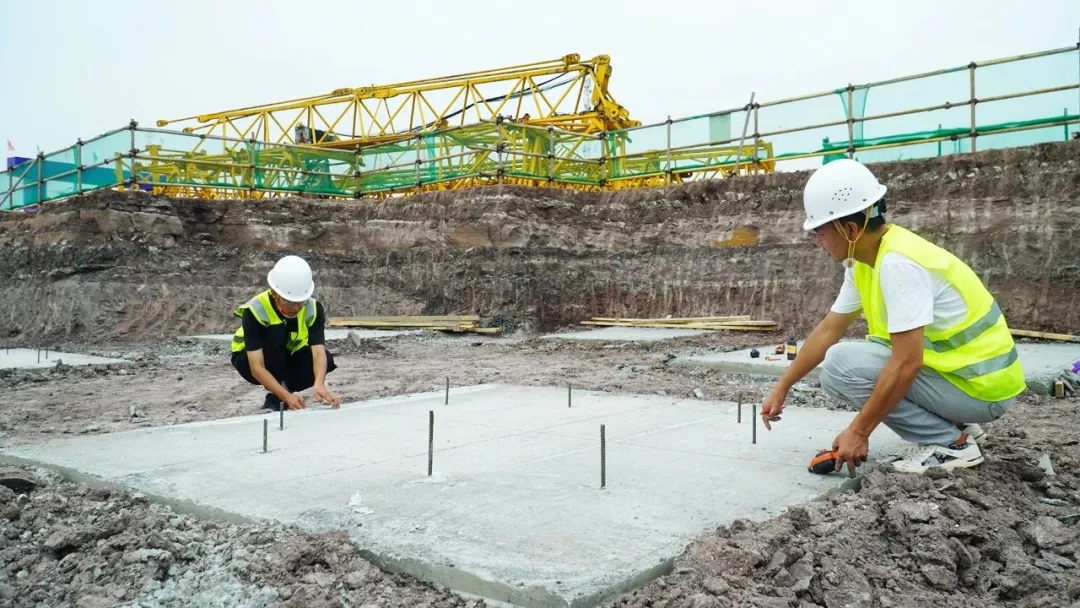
<point x="74" y="69"/>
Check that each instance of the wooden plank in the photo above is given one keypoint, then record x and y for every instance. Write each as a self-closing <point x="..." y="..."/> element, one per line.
<point x="475" y="330"/>
<point x="1044" y="335"/>
<point x="701" y="325"/>
<point x="385" y="324"/>
<point x="410" y="325"/>
<point x="756" y="326"/>
<point x="445" y="326"/>
<point x="675" y="319"/>
<point x="355" y="321"/>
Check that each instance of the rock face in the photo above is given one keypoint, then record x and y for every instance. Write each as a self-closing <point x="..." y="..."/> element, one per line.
<point x="131" y="266"/>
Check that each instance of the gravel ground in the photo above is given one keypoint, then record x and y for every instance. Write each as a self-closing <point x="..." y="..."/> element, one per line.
<point x="1002" y="534"/>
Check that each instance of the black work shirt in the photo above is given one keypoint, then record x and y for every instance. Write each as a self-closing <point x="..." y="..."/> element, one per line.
<point x="257" y="337"/>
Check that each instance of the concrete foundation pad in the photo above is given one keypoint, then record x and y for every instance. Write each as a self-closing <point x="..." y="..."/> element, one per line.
<point x="1042" y="362"/>
<point x="630" y="334"/>
<point x="514" y="511"/>
<point x="740" y="362"/>
<point x="32" y="358"/>
<point x="331" y="335"/>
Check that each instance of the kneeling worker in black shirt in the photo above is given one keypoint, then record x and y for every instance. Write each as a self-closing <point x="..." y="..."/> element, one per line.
<point x="280" y="343"/>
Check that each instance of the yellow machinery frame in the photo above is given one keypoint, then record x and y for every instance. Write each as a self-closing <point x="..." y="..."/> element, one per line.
<point x="373" y="115"/>
<point x="554" y="103"/>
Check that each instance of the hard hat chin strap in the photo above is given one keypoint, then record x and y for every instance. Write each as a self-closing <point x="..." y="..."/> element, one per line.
<point x="278" y="297"/>
<point x="849" y="261"/>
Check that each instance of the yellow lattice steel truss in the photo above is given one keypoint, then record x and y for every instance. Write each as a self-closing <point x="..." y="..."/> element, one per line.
<point x="490" y="152"/>
<point x="553" y="124"/>
<point x="568" y="93"/>
<point x="550" y="123"/>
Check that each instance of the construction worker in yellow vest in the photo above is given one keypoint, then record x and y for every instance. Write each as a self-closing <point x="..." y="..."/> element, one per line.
<point x="939" y="358"/>
<point x="280" y="343"/>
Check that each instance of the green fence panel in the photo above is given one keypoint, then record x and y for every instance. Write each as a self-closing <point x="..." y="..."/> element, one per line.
<point x="61" y="174"/>
<point x="793" y="132"/>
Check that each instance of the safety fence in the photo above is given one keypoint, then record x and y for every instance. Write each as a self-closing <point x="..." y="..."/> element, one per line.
<point x="1008" y="102"/>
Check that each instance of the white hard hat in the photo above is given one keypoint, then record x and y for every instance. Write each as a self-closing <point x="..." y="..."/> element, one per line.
<point x="838" y="189"/>
<point x="291" y="279"/>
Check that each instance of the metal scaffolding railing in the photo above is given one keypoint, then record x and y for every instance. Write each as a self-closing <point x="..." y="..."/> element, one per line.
<point x="1007" y="102"/>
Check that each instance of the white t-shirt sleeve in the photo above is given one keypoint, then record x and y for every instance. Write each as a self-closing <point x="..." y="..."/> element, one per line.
<point x="908" y="292"/>
<point x="848" y="301"/>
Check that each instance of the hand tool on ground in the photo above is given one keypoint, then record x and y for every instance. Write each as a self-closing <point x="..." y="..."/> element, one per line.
<point x="824" y="463"/>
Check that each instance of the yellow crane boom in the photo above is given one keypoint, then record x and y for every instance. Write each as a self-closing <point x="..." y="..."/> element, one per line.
<point x="567" y="93"/>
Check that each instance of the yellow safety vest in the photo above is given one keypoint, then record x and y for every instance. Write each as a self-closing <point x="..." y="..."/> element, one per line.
<point x="264" y="312"/>
<point x="977" y="355"/>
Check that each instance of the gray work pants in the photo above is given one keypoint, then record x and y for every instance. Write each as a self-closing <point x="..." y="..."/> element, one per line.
<point x="929" y="412"/>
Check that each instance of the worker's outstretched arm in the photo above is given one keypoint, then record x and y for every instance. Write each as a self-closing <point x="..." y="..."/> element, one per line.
<point x="258" y="370"/>
<point x="812" y="353"/>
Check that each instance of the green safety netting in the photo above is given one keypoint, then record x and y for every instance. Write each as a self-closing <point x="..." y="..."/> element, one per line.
<point x="951" y="134"/>
<point x="1021" y="102"/>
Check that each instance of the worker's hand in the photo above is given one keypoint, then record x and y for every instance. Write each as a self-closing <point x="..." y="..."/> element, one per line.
<point x="294" y="402"/>
<point x="324" y="396"/>
<point x="772" y="406"/>
<point x="851" y="447"/>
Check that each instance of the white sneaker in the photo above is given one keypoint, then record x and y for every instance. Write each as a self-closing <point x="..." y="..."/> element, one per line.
<point x="976" y="432"/>
<point x="973" y="431"/>
<point x="917" y="459"/>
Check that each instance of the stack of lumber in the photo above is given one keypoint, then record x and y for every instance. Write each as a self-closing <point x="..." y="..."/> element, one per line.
<point x="453" y="323"/>
<point x="734" y="323"/>
<point x="1044" y="335"/>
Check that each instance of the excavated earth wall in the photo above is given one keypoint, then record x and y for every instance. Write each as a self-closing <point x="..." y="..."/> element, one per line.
<point x="131" y="267"/>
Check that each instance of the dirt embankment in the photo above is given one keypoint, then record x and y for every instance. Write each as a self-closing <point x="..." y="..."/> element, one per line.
<point x="115" y="267"/>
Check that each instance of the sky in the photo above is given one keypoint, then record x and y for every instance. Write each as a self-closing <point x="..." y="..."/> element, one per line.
<point x="76" y="69"/>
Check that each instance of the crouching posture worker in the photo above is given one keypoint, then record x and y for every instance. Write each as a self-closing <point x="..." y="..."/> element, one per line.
<point x="939" y="358"/>
<point x="280" y="343"/>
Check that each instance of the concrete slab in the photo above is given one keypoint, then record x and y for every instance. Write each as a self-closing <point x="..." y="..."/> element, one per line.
<point x="331" y="335"/>
<point x="31" y="358"/>
<point x="514" y="511"/>
<point x="1042" y="362"/>
<point x="740" y="362"/>
<point x="629" y="334"/>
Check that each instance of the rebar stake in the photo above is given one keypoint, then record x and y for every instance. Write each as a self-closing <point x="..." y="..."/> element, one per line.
<point x="281" y="415"/>
<point x="568" y="388"/>
<point x="738" y="417"/>
<point x="447" y="402"/>
<point x="753" y="414"/>
<point x="603" y="458"/>
<point x="430" y="439"/>
<point x="39" y="355"/>
<point x="266" y="425"/>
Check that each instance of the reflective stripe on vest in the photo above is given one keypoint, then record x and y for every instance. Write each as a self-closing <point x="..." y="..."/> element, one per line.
<point x="982" y="368"/>
<point x="261" y="313"/>
<point x="967" y="335"/>
<point x="978" y="354"/>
